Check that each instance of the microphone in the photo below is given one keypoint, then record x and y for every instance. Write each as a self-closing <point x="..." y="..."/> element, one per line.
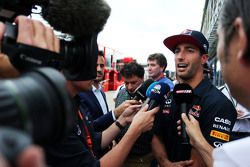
<point x="150" y="88"/>
<point x="183" y="94"/>
<point x="140" y="93"/>
<point x="79" y="18"/>
<point x="157" y="94"/>
<point x="83" y="19"/>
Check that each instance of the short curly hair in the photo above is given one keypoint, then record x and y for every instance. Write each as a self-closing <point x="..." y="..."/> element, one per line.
<point x="132" y="69"/>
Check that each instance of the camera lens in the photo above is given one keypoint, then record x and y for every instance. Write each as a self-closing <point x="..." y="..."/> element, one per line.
<point x="38" y="103"/>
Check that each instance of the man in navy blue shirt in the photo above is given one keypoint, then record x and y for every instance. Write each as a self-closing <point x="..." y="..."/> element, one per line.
<point x="210" y="107"/>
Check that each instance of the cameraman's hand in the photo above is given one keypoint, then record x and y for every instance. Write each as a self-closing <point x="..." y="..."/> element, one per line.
<point x="30" y="32"/>
<point x="120" y="109"/>
<point x="35" y="33"/>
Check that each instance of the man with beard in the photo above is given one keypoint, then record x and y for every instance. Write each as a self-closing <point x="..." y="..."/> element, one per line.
<point x="94" y="101"/>
<point x="210" y="107"/>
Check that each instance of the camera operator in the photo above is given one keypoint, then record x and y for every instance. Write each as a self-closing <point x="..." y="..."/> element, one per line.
<point x="80" y="148"/>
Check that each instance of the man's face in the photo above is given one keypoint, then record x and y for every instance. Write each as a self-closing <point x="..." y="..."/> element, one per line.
<point x="188" y="61"/>
<point x="132" y="83"/>
<point x="154" y="69"/>
<point x="100" y="68"/>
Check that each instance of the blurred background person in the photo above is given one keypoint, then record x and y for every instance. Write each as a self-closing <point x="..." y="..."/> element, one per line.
<point x="133" y="74"/>
<point x="157" y="64"/>
<point x="241" y="127"/>
<point x="95" y="99"/>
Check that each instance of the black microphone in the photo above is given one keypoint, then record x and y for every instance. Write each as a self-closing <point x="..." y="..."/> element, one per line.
<point x="183" y="94"/>
<point x="157" y="94"/>
<point x="79" y="18"/>
<point x="140" y="93"/>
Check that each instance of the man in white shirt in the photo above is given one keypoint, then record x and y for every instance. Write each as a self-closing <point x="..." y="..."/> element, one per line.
<point x="241" y="127"/>
<point x="95" y="101"/>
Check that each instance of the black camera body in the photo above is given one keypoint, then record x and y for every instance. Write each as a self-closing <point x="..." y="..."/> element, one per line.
<point x="25" y="57"/>
<point x="77" y="58"/>
<point x="34" y="108"/>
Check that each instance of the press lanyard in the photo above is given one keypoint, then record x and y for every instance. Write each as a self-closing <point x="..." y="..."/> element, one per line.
<point x="88" y="137"/>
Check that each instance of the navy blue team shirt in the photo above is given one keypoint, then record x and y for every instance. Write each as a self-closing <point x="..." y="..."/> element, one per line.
<point x="215" y="113"/>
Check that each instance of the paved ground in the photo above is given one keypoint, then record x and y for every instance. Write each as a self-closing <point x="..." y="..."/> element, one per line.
<point x="109" y="95"/>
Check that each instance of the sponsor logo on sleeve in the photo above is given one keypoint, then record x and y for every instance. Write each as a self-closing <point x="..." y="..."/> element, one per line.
<point x="219" y="135"/>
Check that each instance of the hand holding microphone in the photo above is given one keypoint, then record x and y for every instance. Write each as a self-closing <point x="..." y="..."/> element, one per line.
<point x="183" y="95"/>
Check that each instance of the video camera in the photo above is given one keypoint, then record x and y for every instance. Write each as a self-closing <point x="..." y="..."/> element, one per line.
<point x="77" y="58"/>
<point x="35" y="104"/>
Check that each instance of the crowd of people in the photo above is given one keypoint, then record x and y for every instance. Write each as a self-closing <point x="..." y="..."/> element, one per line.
<point x="134" y="135"/>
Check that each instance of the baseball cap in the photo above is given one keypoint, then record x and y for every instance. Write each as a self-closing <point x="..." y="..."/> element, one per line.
<point x="188" y="36"/>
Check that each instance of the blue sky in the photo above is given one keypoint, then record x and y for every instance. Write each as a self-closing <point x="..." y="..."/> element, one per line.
<point x="137" y="28"/>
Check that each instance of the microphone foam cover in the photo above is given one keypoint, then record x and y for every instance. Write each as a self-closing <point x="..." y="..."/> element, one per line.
<point x="150" y="88"/>
<point x="159" y="92"/>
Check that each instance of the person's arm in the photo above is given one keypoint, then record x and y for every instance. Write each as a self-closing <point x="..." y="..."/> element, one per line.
<point x="127" y="110"/>
<point x="159" y="152"/>
<point x="103" y="122"/>
<point x="161" y="156"/>
<point x="197" y="140"/>
<point x="142" y="121"/>
<point x="110" y="133"/>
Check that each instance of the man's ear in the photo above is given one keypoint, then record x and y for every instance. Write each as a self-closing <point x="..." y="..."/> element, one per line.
<point x="242" y="41"/>
<point x="163" y="68"/>
<point x="204" y="58"/>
